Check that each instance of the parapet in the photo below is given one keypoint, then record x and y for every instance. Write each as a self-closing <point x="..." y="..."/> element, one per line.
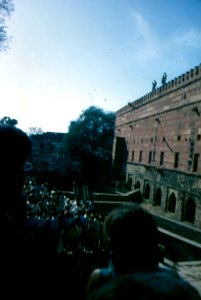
<point x="170" y="86"/>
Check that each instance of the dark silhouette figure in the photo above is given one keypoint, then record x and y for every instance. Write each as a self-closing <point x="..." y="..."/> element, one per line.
<point x="134" y="272"/>
<point x="164" y="79"/>
<point x="29" y="262"/>
<point x="154" y="83"/>
<point x="131" y="238"/>
<point x="15" y="149"/>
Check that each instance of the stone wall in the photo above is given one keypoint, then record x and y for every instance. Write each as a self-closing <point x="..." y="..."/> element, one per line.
<point x="162" y="134"/>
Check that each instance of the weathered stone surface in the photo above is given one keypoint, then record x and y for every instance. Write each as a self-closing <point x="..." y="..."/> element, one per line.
<point x="162" y="146"/>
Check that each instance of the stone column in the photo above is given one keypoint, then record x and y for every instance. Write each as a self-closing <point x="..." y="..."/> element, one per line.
<point x="180" y="200"/>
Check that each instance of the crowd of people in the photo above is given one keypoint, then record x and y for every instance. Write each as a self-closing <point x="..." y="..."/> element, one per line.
<point x="72" y="227"/>
<point x="72" y="220"/>
<point x="51" y="244"/>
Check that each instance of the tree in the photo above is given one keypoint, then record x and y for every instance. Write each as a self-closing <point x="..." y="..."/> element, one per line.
<point x="8" y="121"/>
<point x="90" y="140"/>
<point x="6" y="8"/>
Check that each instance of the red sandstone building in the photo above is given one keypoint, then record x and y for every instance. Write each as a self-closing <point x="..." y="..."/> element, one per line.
<point x="157" y="147"/>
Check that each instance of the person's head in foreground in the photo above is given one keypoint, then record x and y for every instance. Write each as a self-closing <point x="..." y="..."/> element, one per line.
<point x="131" y="236"/>
<point x="15" y="150"/>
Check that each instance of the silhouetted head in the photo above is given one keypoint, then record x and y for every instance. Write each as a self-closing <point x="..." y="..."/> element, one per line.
<point x="15" y="149"/>
<point x="132" y="238"/>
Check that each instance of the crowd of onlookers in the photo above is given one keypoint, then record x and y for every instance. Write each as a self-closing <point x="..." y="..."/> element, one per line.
<point x="75" y="227"/>
<point x="76" y="221"/>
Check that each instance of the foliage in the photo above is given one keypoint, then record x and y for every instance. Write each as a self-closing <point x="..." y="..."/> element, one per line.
<point x="8" y="121"/>
<point x="92" y="133"/>
<point x="6" y="8"/>
<point x="90" y="138"/>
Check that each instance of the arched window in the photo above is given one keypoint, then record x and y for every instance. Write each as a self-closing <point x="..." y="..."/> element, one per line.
<point x="137" y="185"/>
<point x="158" y="195"/>
<point x="147" y="191"/>
<point x="171" y="203"/>
<point x="130" y="181"/>
<point x="189" y="210"/>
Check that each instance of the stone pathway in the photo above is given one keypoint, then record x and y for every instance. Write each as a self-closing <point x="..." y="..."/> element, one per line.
<point x="192" y="272"/>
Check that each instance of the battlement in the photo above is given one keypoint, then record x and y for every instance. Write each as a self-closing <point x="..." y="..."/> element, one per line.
<point x="170" y="86"/>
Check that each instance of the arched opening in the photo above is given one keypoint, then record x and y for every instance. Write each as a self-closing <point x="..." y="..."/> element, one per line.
<point x="137" y="185"/>
<point x="158" y="195"/>
<point x="189" y="210"/>
<point x="171" y="203"/>
<point x="147" y="191"/>
<point x="129" y="183"/>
